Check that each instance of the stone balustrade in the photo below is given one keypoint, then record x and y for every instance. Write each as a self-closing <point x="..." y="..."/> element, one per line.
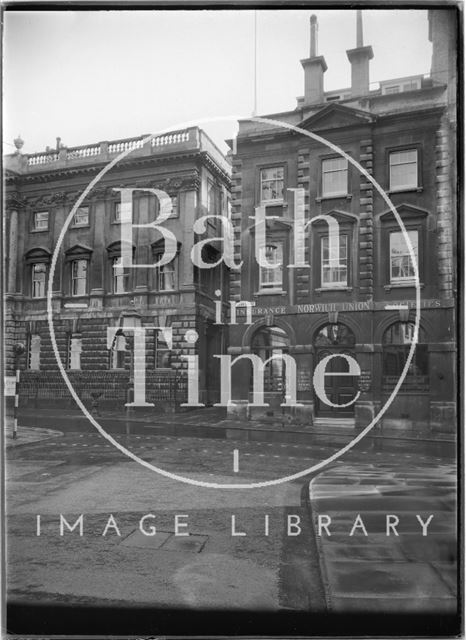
<point x="103" y="150"/>
<point x="42" y="158"/>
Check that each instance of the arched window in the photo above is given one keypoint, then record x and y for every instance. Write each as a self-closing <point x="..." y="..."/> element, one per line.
<point x="397" y="341"/>
<point x="334" y="335"/>
<point x="268" y="342"/>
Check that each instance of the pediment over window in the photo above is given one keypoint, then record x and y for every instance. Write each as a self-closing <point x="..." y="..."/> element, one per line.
<point x="159" y="246"/>
<point x="405" y="211"/>
<point x="333" y="116"/>
<point x="38" y="254"/>
<point x="114" y="249"/>
<point x="342" y="217"/>
<point x="78" y="251"/>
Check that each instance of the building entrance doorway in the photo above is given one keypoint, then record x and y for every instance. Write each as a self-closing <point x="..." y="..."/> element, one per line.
<point x="268" y="342"/>
<point x="333" y="340"/>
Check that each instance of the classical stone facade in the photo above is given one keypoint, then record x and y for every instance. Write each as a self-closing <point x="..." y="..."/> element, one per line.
<point x="358" y="301"/>
<point x="91" y="292"/>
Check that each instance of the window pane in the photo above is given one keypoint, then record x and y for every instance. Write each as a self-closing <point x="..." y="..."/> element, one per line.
<point x="401" y="267"/>
<point x="272" y="277"/>
<point x="75" y="347"/>
<point x="34" y="352"/>
<point x="41" y="220"/>
<point x="81" y="217"/>
<point x="39" y="272"/>
<point x="79" y="277"/>
<point x="334" y="268"/>
<point x="334" y="176"/>
<point x="272" y="183"/>
<point x="403" y="169"/>
<point x="120" y="276"/>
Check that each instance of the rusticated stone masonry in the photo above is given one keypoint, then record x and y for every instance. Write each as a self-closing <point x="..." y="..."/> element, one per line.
<point x="303" y="275"/>
<point x="236" y="198"/>
<point x="366" y="229"/>
<point x="443" y="180"/>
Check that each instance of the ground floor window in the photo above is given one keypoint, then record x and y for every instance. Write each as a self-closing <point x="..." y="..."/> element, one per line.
<point x="74" y="352"/>
<point x="397" y="341"/>
<point x="268" y="342"/>
<point x="162" y="351"/>
<point x="33" y="352"/>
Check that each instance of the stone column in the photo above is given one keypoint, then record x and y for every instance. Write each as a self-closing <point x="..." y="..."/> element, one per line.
<point x="12" y="251"/>
<point x="188" y="208"/>
<point x="97" y="270"/>
<point x="364" y="409"/>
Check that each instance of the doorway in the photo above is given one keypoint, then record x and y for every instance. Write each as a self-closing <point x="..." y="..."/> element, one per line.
<point x="334" y="340"/>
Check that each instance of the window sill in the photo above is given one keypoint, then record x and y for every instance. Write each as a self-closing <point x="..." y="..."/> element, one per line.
<point x="116" y="222"/>
<point x="80" y="226"/>
<point x="269" y="292"/>
<point x="323" y="289"/>
<point x="406" y="190"/>
<point x="403" y="285"/>
<point x="39" y="230"/>
<point x="273" y="203"/>
<point x="340" y="196"/>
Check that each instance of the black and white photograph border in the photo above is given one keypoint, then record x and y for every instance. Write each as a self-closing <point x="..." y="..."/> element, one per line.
<point x="230" y="345"/>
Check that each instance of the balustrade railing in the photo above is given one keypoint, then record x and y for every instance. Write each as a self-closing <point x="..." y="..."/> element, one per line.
<point x="170" y="138"/>
<point x="124" y="145"/>
<point x="42" y="158"/>
<point x="83" y="152"/>
<point x="104" y="148"/>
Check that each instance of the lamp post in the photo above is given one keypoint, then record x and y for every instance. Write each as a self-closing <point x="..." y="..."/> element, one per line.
<point x="19" y="349"/>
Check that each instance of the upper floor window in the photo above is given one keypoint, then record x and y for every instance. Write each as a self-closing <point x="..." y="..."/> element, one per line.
<point x="117" y="212"/>
<point x="166" y="277"/>
<point x="79" y="277"/>
<point x="81" y="217"/>
<point x="41" y="220"/>
<point x="401" y="266"/>
<point x="272" y="184"/>
<point x="334" y="177"/>
<point x="334" y="263"/>
<point x="272" y="277"/>
<point x="33" y="352"/>
<point x="120" y="276"/>
<point x="403" y="169"/>
<point x="39" y="275"/>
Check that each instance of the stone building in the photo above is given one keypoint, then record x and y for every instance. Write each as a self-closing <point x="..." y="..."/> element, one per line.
<point x="358" y="298"/>
<point x="91" y="288"/>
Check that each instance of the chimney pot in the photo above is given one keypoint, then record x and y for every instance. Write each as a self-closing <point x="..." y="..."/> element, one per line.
<point x="314" y="68"/>
<point x="314" y="32"/>
<point x="359" y="59"/>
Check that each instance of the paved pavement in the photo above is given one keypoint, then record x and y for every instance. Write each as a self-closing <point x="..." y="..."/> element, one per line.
<point x="379" y="572"/>
<point x="78" y="473"/>
<point x="27" y="435"/>
<point x="83" y="474"/>
<point x="212" y="422"/>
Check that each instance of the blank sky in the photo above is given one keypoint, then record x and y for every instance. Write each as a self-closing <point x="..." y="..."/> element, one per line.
<point x="102" y="75"/>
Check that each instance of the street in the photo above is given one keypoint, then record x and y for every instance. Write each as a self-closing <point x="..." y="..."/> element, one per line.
<point x="246" y="548"/>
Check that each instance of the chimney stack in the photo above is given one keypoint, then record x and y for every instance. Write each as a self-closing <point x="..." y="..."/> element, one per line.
<point x="314" y="69"/>
<point x="359" y="59"/>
